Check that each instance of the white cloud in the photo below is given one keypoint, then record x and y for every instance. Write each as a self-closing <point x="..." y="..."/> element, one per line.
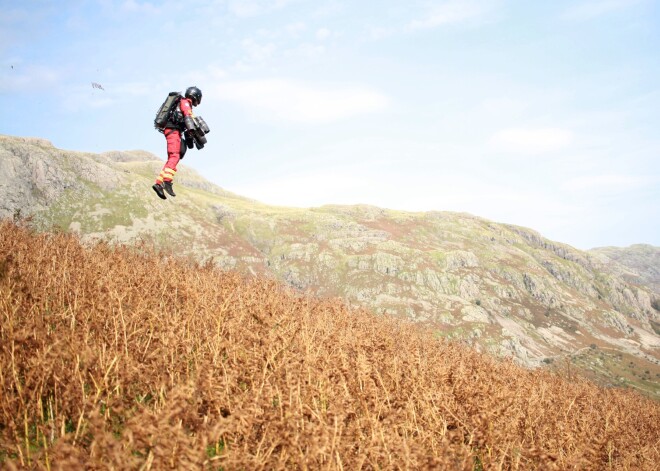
<point x="449" y="12"/>
<point x="497" y="107"/>
<point x="531" y="140"/>
<point x="32" y="78"/>
<point x="98" y="101"/>
<point x="325" y="186"/>
<point x="376" y="33"/>
<point x="215" y="72"/>
<point x="133" y="6"/>
<point x="594" y="8"/>
<point x="132" y="89"/>
<point x="200" y="77"/>
<point x="112" y="94"/>
<point x="258" y="52"/>
<point x="296" y="29"/>
<point x="285" y="100"/>
<point x="306" y="50"/>
<point x="323" y="33"/>
<point x="606" y="183"/>
<point x="248" y="8"/>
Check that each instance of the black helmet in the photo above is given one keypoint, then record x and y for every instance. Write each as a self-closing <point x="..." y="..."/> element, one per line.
<point x="194" y="94"/>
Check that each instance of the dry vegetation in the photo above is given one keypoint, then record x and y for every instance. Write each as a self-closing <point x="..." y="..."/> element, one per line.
<point x="110" y="358"/>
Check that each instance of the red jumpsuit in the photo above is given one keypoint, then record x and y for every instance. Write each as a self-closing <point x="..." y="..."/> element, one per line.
<point x="173" y="136"/>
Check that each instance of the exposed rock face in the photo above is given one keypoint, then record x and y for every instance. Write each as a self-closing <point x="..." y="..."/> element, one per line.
<point x="639" y="263"/>
<point x="129" y="156"/>
<point x="504" y="289"/>
<point x="36" y="173"/>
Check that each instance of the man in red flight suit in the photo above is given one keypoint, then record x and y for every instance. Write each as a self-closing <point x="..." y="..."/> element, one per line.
<point x="180" y="121"/>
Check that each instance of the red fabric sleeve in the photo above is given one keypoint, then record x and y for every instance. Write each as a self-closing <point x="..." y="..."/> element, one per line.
<point x="185" y="105"/>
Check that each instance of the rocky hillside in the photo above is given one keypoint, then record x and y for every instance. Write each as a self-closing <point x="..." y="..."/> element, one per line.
<point x="502" y="288"/>
<point x="639" y="263"/>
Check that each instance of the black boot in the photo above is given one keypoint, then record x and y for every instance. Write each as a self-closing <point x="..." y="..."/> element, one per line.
<point x="158" y="188"/>
<point x="168" y="188"/>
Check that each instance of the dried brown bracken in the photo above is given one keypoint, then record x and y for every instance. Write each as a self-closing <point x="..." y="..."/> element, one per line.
<point x="121" y="358"/>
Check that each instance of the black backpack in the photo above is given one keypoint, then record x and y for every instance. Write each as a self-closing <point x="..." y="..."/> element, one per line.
<point x="166" y="109"/>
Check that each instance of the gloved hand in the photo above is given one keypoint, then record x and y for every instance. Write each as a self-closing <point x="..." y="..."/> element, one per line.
<point x="188" y="139"/>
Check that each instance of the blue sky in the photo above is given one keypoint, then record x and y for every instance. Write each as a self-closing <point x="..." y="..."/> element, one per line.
<point x="544" y="114"/>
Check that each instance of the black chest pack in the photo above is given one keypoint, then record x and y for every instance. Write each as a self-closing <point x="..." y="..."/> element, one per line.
<point x="167" y="112"/>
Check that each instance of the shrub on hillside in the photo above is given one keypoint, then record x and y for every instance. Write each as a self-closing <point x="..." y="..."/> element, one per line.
<point x="114" y="358"/>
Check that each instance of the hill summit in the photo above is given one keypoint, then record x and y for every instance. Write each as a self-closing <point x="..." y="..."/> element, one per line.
<point x="123" y="358"/>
